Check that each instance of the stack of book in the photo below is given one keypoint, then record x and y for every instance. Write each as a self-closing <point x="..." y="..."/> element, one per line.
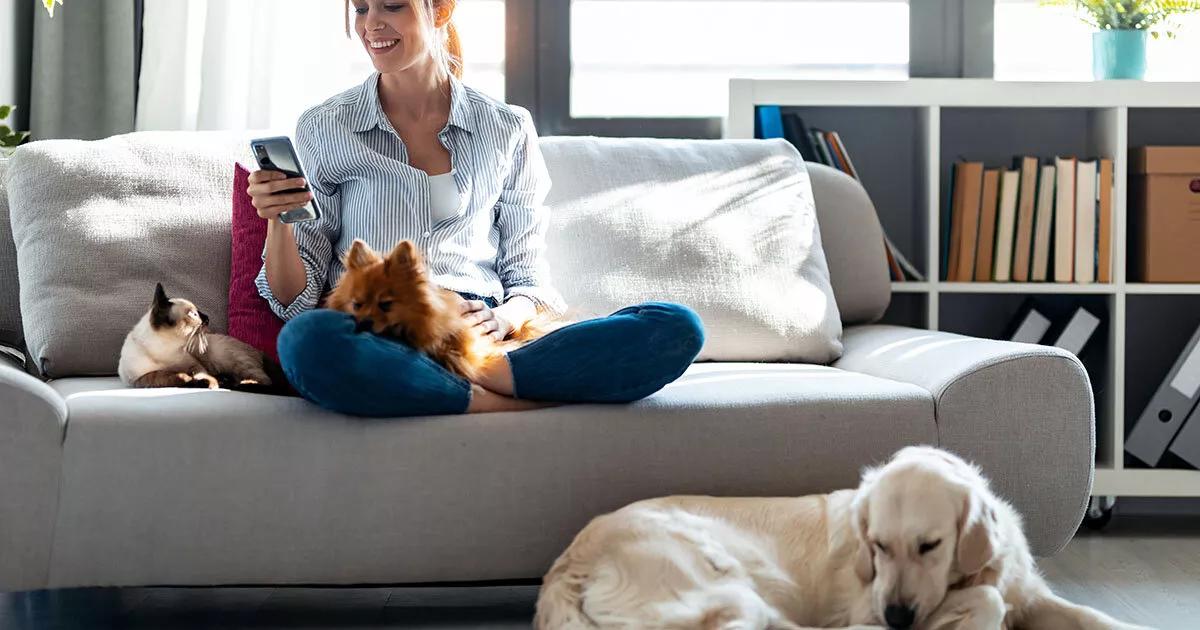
<point x="826" y="147"/>
<point x="1033" y="223"/>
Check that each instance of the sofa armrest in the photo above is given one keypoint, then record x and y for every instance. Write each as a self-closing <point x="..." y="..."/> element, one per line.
<point x="33" y="420"/>
<point x="1024" y="413"/>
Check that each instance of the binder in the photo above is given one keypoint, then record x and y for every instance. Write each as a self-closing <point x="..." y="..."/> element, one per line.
<point x="1078" y="331"/>
<point x="1187" y="443"/>
<point x="1032" y="328"/>
<point x="1170" y="406"/>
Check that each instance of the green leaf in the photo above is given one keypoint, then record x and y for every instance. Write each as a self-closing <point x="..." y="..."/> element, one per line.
<point x="5" y="110"/>
<point x="5" y="131"/>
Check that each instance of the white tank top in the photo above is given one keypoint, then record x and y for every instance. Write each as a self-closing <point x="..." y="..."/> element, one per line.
<point x="444" y="199"/>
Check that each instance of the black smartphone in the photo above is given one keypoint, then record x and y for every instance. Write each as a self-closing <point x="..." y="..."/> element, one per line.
<point x="277" y="154"/>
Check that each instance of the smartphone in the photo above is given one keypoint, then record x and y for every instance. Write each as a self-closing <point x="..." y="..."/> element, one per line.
<point x="277" y="154"/>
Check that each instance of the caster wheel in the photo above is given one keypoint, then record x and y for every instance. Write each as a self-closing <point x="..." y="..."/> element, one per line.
<point x="1099" y="513"/>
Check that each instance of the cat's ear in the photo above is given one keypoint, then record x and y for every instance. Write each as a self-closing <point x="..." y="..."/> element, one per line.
<point x="360" y="255"/>
<point x="160" y="297"/>
<point x="160" y="310"/>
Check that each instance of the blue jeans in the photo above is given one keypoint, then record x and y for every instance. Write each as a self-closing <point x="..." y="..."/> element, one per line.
<point x="620" y="358"/>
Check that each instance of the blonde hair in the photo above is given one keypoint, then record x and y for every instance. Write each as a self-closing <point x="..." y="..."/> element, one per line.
<point x="447" y="47"/>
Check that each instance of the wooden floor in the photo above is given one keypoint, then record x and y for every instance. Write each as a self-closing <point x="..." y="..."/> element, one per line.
<point x="1140" y="569"/>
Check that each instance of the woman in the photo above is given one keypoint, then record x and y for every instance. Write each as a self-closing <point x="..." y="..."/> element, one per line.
<point x="414" y="154"/>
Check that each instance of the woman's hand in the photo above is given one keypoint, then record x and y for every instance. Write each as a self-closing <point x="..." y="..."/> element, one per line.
<point x="263" y="189"/>
<point x="486" y="320"/>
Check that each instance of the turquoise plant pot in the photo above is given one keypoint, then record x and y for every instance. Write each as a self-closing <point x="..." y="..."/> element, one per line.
<point x="1119" y="54"/>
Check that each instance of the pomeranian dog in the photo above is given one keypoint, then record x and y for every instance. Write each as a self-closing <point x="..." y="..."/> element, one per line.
<point x="393" y="296"/>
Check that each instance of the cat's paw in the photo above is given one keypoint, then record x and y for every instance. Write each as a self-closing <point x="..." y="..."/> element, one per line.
<point x="200" y="380"/>
<point x="254" y="386"/>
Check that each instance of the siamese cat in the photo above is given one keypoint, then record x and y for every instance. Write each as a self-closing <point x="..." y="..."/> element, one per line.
<point x="171" y="347"/>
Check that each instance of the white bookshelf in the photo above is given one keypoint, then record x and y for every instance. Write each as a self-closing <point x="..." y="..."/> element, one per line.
<point x="904" y="136"/>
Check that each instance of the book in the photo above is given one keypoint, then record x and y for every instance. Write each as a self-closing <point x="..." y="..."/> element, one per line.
<point x="769" y="122"/>
<point x="840" y="148"/>
<point x="1064" y="219"/>
<point x="1024" y="236"/>
<point x="894" y="270"/>
<point x="1042" y="223"/>
<point x="818" y="141"/>
<point x="1005" y="226"/>
<point x="1104" y="270"/>
<point x="796" y="132"/>
<point x="944" y="225"/>
<point x="968" y="239"/>
<point x="839" y="161"/>
<point x="1078" y="331"/>
<point x="1085" y="221"/>
<point x="904" y="263"/>
<point x="968" y="179"/>
<point x="988" y="201"/>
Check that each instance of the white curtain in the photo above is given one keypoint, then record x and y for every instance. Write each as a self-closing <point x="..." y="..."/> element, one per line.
<point x="235" y="64"/>
<point x="232" y="64"/>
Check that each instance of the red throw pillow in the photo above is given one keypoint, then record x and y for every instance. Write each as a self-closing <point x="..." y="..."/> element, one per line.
<point x="250" y="318"/>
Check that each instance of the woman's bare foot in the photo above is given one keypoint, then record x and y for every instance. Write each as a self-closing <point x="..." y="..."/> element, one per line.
<point x="484" y="400"/>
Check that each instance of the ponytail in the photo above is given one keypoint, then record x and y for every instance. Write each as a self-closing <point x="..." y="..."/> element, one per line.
<point x="454" y="50"/>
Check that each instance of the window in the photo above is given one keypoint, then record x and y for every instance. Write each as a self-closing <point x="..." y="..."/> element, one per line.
<point x="230" y="64"/>
<point x="674" y="58"/>
<point x="1037" y="43"/>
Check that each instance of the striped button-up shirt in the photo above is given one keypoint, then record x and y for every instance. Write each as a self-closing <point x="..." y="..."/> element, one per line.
<point x="359" y="172"/>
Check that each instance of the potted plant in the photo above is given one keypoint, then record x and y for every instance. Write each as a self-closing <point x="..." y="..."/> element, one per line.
<point x="9" y="139"/>
<point x="1119" y="43"/>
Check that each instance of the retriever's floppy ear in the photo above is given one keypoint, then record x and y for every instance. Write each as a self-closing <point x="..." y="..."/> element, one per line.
<point x="864" y="557"/>
<point x="977" y="534"/>
<point x="360" y="255"/>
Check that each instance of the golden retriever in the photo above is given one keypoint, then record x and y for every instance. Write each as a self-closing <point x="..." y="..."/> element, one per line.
<point x="922" y="543"/>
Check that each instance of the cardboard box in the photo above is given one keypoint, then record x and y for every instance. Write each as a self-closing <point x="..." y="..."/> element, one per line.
<point x="1164" y="217"/>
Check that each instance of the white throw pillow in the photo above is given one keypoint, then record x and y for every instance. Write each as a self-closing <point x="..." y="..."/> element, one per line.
<point x="728" y="228"/>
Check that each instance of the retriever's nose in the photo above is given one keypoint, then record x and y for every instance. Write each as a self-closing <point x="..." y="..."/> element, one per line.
<point x="899" y="617"/>
<point x="364" y="325"/>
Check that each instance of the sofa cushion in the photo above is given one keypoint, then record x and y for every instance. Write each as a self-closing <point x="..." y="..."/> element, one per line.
<point x="727" y="227"/>
<point x="279" y="491"/>
<point x="250" y="317"/>
<point x="96" y="224"/>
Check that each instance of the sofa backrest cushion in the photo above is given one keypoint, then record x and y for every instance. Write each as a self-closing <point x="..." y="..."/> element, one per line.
<point x="853" y="242"/>
<point x="10" y="306"/>
<point x="727" y="227"/>
<point x="96" y="224"/>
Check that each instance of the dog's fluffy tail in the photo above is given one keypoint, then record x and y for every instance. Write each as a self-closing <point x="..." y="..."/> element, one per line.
<point x="730" y="605"/>
<point x="560" y="603"/>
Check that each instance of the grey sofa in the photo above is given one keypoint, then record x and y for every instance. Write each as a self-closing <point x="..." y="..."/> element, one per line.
<point x="100" y="485"/>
